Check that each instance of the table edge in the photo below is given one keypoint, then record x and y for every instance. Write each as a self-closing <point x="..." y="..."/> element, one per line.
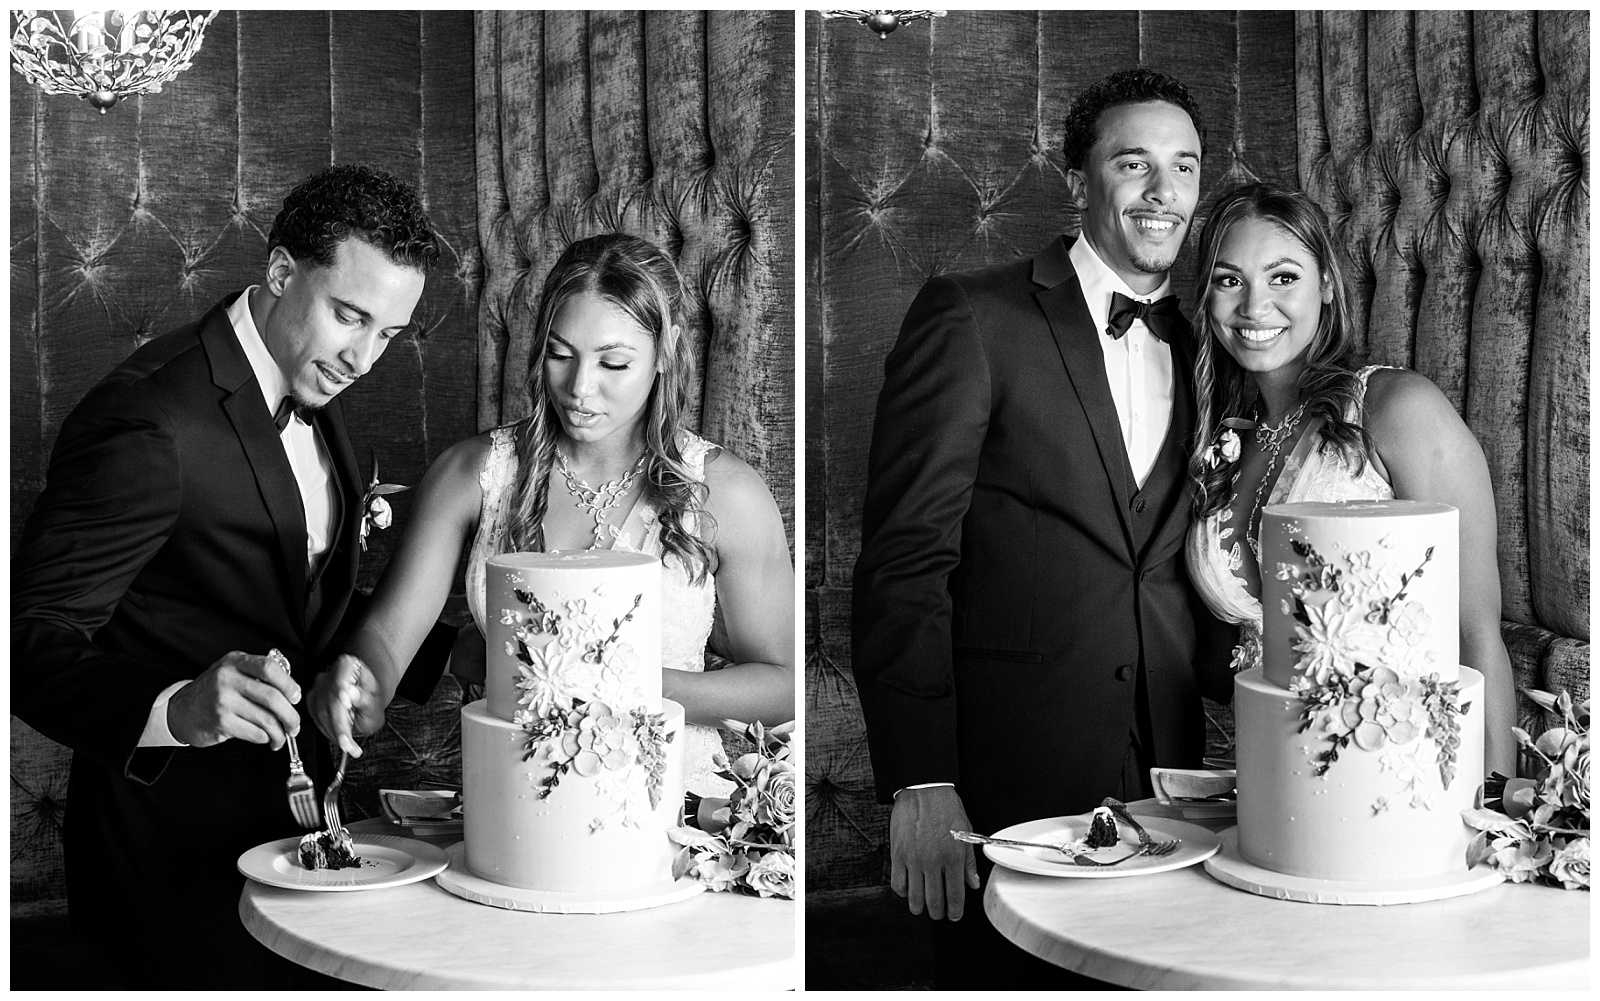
<point x="1565" y="974"/>
<point x="381" y="976"/>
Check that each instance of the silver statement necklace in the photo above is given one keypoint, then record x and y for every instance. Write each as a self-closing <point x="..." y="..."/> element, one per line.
<point x="1271" y="440"/>
<point x="597" y="502"/>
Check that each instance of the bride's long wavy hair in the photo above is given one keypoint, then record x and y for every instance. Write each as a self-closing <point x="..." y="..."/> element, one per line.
<point x="1330" y="383"/>
<point x="635" y="276"/>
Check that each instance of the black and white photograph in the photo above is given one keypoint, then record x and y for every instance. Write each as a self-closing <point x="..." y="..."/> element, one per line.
<point x="800" y="499"/>
<point x="403" y="500"/>
<point x="1197" y="500"/>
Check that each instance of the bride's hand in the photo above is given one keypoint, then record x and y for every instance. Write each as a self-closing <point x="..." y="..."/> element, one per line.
<point x="345" y="701"/>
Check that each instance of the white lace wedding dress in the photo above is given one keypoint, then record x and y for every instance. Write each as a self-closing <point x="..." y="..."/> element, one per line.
<point x="687" y="608"/>
<point x="1309" y="474"/>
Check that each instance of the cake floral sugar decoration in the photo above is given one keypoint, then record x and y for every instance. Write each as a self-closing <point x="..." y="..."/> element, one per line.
<point x="576" y="691"/>
<point x="1364" y="676"/>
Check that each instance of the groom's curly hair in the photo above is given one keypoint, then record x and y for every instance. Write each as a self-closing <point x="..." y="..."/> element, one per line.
<point x="359" y="200"/>
<point x="1135" y="86"/>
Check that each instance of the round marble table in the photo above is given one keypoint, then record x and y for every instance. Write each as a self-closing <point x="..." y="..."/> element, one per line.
<point x="420" y="937"/>
<point x="1183" y="930"/>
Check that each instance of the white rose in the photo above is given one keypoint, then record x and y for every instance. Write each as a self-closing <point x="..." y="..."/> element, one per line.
<point x="380" y="514"/>
<point x="1230" y="446"/>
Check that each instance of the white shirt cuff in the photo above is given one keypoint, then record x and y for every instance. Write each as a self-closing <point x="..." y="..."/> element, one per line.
<point x="924" y="785"/>
<point x="156" y="733"/>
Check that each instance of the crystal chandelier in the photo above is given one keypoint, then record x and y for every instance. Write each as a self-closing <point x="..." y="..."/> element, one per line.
<point x="105" y="55"/>
<point x="884" y="21"/>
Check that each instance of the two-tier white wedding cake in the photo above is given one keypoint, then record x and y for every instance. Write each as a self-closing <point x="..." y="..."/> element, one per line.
<point x="1360" y="736"/>
<point x="572" y="765"/>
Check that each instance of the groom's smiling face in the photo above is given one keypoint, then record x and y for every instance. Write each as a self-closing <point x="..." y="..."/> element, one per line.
<point x="1137" y="189"/>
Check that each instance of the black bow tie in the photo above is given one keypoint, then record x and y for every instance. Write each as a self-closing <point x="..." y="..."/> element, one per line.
<point x="287" y="409"/>
<point x="1161" y="316"/>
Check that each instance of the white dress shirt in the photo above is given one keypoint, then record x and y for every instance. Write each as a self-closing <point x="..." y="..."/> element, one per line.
<point x="313" y="471"/>
<point x="1138" y="365"/>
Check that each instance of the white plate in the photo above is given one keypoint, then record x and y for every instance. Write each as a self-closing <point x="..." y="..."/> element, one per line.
<point x="385" y="861"/>
<point x="1197" y="845"/>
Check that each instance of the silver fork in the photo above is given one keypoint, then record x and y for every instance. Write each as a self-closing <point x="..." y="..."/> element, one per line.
<point x="330" y="800"/>
<point x="1077" y="856"/>
<point x="1147" y="844"/>
<point x="302" y="793"/>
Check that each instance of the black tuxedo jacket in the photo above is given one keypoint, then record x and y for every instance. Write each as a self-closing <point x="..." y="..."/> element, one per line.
<point x="171" y="531"/>
<point x="1015" y="582"/>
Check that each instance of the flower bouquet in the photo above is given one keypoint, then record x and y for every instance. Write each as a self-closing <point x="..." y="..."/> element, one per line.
<point x="1537" y="829"/>
<point x="749" y="846"/>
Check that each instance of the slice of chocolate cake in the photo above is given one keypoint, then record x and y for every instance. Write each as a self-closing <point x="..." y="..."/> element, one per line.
<point x="324" y="850"/>
<point x="1102" y="829"/>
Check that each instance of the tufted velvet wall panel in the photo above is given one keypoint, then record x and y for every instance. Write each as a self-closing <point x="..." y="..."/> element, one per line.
<point x="1451" y="150"/>
<point x="677" y="126"/>
<point x="940" y="149"/>
<point x="126" y="225"/>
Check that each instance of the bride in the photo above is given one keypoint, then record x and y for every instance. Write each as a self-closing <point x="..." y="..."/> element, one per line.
<point x="1319" y="428"/>
<point x="603" y="462"/>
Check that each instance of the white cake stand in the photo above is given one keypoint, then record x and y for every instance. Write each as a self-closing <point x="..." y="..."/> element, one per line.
<point x="1228" y="866"/>
<point x="459" y="880"/>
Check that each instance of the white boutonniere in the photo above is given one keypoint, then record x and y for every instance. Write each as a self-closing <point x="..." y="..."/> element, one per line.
<point x="1227" y="447"/>
<point x="375" y="510"/>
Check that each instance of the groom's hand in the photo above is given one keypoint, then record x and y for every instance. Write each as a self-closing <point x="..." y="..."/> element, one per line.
<point x="926" y="865"/>
<point x="242" y="696"/>
<point x="345" y="701"/>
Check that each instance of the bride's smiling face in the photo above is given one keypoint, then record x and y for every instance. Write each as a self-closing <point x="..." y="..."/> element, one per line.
<point x="599" y="366"/>
<point x="1267" y="295"/>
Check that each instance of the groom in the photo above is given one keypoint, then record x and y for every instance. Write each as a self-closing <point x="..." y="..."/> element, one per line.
<point x="202" y="507"/>
<point x="1024" y="630"/>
